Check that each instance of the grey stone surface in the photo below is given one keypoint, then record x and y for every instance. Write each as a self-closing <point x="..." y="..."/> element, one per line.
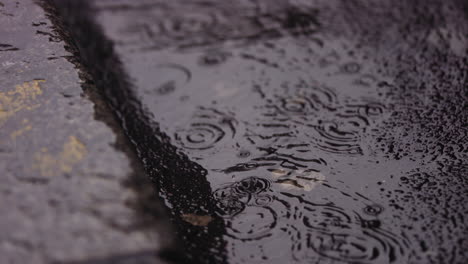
<point x="71" y="190"/>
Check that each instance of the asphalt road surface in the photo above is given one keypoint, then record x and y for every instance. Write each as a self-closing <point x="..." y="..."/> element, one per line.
<point x="283" y="131"/>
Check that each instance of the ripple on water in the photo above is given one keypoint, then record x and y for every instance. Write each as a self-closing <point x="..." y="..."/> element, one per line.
<point x="334" y="138"/>
<point x="170" y="77"/>
<point x="267" y="221"/>
<point x="334" y="232"/>
<point x="233" y="198"/>
<point x="337" y="125"/>
<point x="254" y="223"/>
<point x="303" y="100"/>
<point x="206" y="129"/>
<point x="342" y="132"/>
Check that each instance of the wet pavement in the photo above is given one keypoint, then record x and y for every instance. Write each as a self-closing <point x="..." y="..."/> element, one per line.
<point x="292" y="131"/>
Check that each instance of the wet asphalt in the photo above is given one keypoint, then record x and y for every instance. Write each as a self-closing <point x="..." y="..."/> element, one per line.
<point x="291" y="131"/>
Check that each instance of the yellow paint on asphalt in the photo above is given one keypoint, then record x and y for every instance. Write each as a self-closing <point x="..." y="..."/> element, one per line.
<point x="26" y="127"/>
<point x="52" y="165"/>
<point x="23" y="97"/>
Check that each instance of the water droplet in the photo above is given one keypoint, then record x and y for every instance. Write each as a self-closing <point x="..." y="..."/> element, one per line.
<point x="373" y="210"/>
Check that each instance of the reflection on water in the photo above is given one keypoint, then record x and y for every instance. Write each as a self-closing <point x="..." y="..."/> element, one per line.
<point x="257" y="213"/>
<point x="279" y="141"/>
<point x="270" y="122"/>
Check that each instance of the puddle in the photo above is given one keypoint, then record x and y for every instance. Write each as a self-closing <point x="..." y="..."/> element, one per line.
<point x="273" y="141"/>
<point x="243" y="119"/>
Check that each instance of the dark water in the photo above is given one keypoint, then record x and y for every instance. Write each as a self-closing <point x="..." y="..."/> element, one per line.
<point x="289" y="132"/>
<point x="286" y="147"/>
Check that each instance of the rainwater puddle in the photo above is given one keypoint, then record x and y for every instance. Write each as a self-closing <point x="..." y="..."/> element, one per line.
<point x="274" y="139"/>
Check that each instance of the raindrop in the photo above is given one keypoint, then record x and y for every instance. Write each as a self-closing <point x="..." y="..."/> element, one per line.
<point x="373" y="210"/>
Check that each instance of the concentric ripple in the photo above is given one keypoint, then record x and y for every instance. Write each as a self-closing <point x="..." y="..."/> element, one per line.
<point x="351" y="248"/>
<point x="254" y="223"/>
<point x="306" y="100"/>
<point x="200" y="136"/>
<point x="257" y="216"/>
<point x="331" y="137"/>
<point x="233" y="198"/>
<point x="346" y="236"/>
<point x="207" y="128"/>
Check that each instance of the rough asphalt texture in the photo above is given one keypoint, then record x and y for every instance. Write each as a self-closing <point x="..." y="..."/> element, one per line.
<point x="71" y="188"/>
